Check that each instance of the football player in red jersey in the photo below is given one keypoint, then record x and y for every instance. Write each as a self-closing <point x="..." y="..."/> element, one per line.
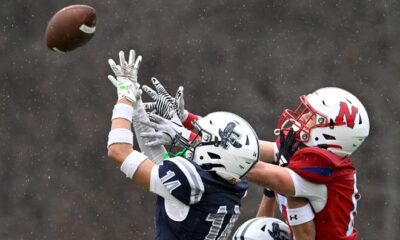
<point x="318" y="185"/>
<point x="315" y="179"/>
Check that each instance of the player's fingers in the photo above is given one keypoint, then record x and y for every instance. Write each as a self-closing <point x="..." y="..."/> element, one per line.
<point x="150" y="124"/>
<point x="155" y="118"/>
<point x="112" y="80"/>
<point x="159" y="87"/>
<point x="113" y="65"/>
<point x="150" y="134"/>
<point x="281" y="138"/>
<point x="292" y="135"/>
<point x="131" y="57"/>
<point x="154" y="143"/>
<point x="179" y="99"/>
<point x="122" y="61"/>
<point x="179" y="94"/>
<point x="150" y="92"/>
<point x="138" y="62"/>
<point x="149" y="107"/>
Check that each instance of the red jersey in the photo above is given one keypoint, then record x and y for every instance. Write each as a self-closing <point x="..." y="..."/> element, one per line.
<point x="336" y="219"/>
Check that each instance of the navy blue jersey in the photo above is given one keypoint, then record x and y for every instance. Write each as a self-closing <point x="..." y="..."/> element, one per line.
<point x="212" y="203"/>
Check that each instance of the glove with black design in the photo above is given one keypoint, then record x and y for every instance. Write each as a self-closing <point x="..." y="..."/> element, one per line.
<point x="164" y="104"/>
<point x="288" y="146"/>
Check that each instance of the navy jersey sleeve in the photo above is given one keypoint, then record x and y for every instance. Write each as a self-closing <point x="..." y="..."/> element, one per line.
<point x="181" y="179"/>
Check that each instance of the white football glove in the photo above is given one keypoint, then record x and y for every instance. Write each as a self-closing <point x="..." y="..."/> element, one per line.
<point x="165" y="130"/>
<point x="126" y="76"/>
<point x="164" y="104"/>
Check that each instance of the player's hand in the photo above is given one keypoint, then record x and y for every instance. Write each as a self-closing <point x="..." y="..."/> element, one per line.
<point x="126" y="76"/>
<point x="288" y="146"/>
<point x="164" y="104"/>
<point x="165" y="130"/>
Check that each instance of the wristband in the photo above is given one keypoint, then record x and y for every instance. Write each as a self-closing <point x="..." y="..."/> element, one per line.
<point x="188" y="121"/>
<point x="132" y="162"/>
<point x="120" y="135"/>
<point x="297" y="216"/>
<point x="269" y="193"/>
<point x="122" y="110"/>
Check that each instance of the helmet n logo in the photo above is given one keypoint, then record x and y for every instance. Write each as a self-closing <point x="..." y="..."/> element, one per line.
<point x="344" y="112"/>
<point x="228" y="135"/>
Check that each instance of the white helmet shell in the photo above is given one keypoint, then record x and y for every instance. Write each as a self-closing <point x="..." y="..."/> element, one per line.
<point x="340" y="121"/>
<point x="351" y="122"/>
<point x="263" y="228"/>
<point x="229" y="145"/>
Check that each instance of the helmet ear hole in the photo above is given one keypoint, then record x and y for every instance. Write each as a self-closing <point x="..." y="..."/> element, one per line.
<point x="213" y="155"/>
<point x="328" y="137"/>
<point x="263" y="227"/>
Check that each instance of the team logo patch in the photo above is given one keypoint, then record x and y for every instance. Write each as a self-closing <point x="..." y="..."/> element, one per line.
<point x="229" y="136"/>
<point x="277" y="233"/>
<point x="344" y="112"/>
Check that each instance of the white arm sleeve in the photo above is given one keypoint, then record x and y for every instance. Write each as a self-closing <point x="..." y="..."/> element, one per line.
<point x="317" y="194"/>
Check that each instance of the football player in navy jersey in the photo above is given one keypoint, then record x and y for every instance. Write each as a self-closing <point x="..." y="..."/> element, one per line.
<point x="199" y="191"/>
<point x="315" y="181"/>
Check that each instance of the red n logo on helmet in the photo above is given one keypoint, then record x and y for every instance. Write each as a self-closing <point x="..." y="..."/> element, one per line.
<point x="344" y="112"/>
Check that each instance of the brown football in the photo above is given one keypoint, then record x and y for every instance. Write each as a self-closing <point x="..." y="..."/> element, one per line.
<point x="71" y="27"/>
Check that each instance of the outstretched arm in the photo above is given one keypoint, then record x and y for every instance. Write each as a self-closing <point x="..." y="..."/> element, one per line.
<point x="134" y="164"/>
<point x="267" y="151"/>
<point x="121" y="152"/>
<point x="267" y="205"/>
<point x="272" y="176"/>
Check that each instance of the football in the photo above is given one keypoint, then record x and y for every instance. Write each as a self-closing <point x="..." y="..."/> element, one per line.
<point x="71" y="27"/>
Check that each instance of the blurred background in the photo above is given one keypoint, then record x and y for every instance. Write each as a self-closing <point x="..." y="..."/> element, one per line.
<point x="250" y="57"/>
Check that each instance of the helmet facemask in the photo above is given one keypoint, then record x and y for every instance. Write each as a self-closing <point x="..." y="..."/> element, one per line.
<point x="303" y="119"/>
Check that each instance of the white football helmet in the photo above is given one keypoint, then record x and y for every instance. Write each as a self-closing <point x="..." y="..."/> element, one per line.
<point x="330" y="118"/>
<point x="263" y="228"/>
<point x="229" y="145"/>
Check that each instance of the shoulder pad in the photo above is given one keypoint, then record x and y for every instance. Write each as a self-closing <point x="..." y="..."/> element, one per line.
<point x="182" y="180"/>
<point x="317" y="165"/>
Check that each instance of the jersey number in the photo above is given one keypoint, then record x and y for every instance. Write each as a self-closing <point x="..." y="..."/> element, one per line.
<point x="217" y="220"/>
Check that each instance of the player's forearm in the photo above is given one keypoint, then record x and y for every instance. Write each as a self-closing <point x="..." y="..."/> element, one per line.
<point x="119" y="151"/>
<point x="267" y="207"/>
<point x="267" y="153"/>
<point x="305" y="231"/>
<point x="273" y="177"/>
<point x="301" y="218"/>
